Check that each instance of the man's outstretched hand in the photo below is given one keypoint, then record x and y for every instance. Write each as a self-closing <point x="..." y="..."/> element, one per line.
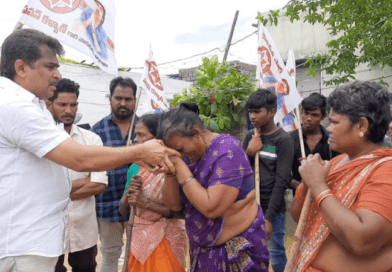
<point x="156" y="157"/>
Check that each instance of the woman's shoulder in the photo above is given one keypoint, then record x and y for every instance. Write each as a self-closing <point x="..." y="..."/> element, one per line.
<point x="227" y="140"/>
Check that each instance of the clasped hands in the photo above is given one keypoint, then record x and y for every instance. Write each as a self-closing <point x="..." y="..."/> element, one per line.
<point x="314" y="171"/>
<point x="134" y="194"/>
<point x="155" y="157"/>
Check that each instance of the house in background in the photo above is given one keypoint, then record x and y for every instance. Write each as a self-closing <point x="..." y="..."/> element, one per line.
<point x="308" y="40"/>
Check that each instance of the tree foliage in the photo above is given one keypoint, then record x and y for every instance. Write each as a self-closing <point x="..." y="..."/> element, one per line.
<point x="361" y="33"/>
<point x="222" y="94"/>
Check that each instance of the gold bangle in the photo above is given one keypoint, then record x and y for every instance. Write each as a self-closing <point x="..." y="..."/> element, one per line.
<point x="186" y="181"/>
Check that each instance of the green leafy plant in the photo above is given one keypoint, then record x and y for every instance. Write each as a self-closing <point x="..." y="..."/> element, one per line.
<point x="361" y="33"/>
<point x="222" y="94"/>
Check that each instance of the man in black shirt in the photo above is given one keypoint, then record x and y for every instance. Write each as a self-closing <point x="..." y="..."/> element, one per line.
<point x="315" y="135"/>
<point x="275" y="150"/>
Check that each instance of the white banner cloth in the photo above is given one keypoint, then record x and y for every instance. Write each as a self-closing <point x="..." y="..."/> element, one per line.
<point x="272" y="74"/>
<point x="86" y="25"/>
<point x="152" y="85"/>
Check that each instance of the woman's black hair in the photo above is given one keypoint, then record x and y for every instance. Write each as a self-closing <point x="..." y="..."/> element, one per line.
<point x="180" y="122"/>
<point x="151" y="121"/>
<point x="364" y="99"/>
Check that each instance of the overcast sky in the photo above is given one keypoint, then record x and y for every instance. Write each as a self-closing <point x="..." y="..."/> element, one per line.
<point x="175" y="29"/>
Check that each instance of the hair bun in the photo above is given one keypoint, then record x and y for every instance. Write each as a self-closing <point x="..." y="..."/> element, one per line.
<point x="190" y="107"/>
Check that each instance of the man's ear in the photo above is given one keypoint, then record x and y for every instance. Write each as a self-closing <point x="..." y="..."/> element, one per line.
<point x="49" y="105"/>
<point x="21" y="68"/>
<point x="271" y="112"/>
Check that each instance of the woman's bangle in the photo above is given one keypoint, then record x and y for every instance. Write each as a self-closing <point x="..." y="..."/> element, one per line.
<point x="323" y="195"/>
<point x="298" y="195"/>
<point x="186" y="181"/>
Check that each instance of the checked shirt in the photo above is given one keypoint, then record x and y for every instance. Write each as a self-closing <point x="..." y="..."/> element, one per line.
<point x="107" y="203"/>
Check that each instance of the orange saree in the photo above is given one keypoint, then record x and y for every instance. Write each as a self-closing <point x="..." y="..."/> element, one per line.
<point x="361" y="183"/>
<point x="158" y="244"/>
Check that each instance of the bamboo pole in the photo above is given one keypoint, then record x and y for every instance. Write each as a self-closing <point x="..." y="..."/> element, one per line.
<point x="305" y="208"/>
<point x="257" y="177"/>
<point x="129" y="226"/>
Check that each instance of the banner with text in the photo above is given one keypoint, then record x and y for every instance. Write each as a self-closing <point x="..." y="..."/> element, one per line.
<point x="152" y="85"/>
<point x="272" y="74"/>
<point x="86" y="25"/>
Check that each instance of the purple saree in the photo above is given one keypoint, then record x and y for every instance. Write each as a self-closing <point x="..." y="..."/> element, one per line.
<point x="225" y="162"/>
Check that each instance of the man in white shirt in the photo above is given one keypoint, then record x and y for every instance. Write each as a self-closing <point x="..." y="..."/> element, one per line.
<point x="81" y="227"/>
<point x="34" y="189"/>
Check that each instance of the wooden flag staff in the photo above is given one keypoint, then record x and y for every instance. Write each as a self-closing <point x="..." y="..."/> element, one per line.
<point x="305" y="209"/>
<point x="131" y="220"/>
<point x="257" y="177"/>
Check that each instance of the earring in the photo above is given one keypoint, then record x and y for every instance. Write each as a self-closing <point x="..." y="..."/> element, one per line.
<point x="361" y="134"/>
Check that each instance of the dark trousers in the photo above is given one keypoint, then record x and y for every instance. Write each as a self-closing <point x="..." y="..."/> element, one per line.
<point x="80" y="261"/>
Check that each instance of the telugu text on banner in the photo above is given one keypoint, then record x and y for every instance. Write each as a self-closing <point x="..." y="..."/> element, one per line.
<point x="86" y="25"/>
<point x="152" y="85"/>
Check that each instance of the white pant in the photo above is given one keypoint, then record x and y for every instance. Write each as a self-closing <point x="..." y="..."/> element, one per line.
<point x="28" y="263"/>
<point x="111" y="237"/>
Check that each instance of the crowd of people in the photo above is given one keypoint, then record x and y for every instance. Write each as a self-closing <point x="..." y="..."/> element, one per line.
<point x="63" y="187"/>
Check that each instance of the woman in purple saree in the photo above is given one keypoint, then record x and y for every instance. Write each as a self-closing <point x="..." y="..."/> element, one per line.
<point x="215" y="188"/>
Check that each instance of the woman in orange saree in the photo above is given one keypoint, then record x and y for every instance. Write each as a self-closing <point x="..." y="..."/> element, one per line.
<point x="159" y="242"/>
<point x="349" y="227"/>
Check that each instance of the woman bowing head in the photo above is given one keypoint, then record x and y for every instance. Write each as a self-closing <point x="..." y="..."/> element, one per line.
<point x="214" y="185"/>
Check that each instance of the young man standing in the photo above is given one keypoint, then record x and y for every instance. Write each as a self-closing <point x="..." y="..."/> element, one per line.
<point x="275" y="150"/>
<point x="113" y="130"/>
<point x="81" y="228"/>
<point x="314" y="134"/>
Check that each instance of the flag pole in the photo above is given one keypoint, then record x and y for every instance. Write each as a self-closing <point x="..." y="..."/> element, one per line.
<point x="131" y="220"/>
<point x="257" y="177"/>
<point x="305" y="208"/>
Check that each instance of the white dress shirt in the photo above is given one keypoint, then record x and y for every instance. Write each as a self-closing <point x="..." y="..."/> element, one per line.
<point x="34" y="192"/>
<point x="81" y="219"/>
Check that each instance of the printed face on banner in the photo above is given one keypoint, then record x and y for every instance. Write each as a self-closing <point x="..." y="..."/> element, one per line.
<point x="86" y="25"/>
<point x="273" y="75"/>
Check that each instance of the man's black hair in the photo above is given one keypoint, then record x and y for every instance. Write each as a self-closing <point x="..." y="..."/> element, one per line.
<point x="25" y="44"/>
<point x="65" y="85"/>
<point x="124" y="82"/>
<point x="262" y="98"/>
<point x="314" y="101"/>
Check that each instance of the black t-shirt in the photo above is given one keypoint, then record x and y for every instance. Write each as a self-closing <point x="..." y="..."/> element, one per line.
<point x="322" y="148"/>
<point x="276" y="158"/>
